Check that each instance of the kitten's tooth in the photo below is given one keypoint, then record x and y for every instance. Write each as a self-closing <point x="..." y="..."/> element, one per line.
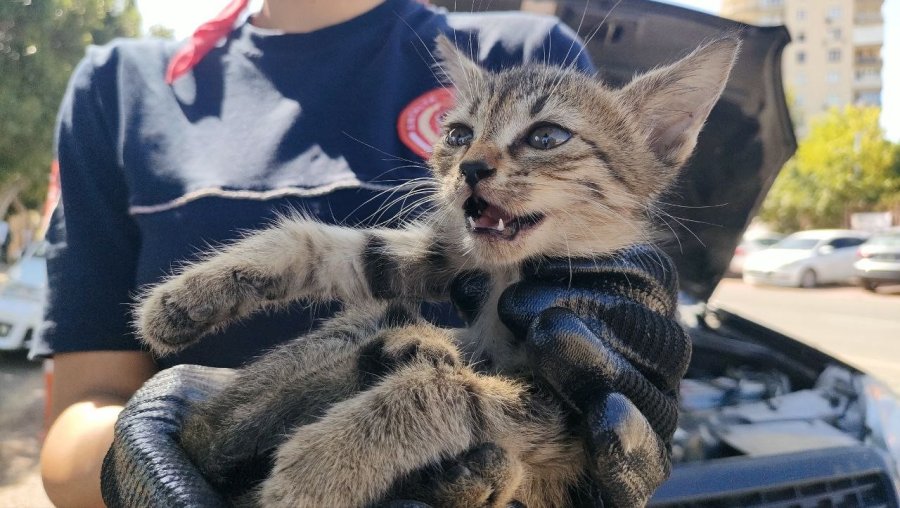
<point x="472" y="223"/>
<point x="500" y="226"/>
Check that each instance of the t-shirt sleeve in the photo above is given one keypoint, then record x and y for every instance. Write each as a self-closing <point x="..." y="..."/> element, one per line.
<point x="92" y="241"/>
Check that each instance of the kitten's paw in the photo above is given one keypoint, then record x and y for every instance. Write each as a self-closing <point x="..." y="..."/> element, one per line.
<point x="397" y="347"/>
<point x="180" y="311"/>
<point x="485" y="476"/>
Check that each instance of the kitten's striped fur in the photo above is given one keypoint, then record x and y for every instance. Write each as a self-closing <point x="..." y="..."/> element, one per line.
<point x="378" y="394"/>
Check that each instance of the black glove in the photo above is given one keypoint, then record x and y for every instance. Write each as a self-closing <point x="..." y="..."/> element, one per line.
<point x="603" y="334"/>
<point x="145" y="465"/>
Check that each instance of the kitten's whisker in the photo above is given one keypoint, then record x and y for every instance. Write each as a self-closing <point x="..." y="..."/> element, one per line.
<point x="596" y="31"/>
<point x="392" y="156"/>
<point x="721" y="205"/>
<point x="577" y="30"/>
<point x="405" y="208"/>
<point x="435" y="63"/>
<point x="414" y="184"/>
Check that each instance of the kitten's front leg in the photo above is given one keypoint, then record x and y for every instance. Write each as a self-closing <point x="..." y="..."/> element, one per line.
<point x="296" y="259"/>
<point x="261" y="270"/>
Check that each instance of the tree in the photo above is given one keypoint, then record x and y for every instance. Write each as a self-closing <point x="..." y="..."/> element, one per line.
<point x="40" y="44"/>
<point x="844" y="165"/>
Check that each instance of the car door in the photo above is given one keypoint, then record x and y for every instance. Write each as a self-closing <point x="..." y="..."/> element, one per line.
<point x="840" y="259"/>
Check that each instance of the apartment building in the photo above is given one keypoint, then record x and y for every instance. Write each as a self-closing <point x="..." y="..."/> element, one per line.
<point x="835" y="56"/>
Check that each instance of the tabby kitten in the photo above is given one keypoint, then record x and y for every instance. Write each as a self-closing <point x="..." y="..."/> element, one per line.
<point x="535" y="161"/>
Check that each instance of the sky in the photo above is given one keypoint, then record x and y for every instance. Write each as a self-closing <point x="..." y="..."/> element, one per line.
<point x="183" y="16"/>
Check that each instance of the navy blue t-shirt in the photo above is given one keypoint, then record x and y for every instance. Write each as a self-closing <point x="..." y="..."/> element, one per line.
<point x="267" y="123"/>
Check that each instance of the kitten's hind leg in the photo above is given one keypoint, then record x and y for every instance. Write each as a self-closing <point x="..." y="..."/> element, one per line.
<point x="232" y="436"/>
<point x="477" y="478"/>
<point x="415" y="417"/>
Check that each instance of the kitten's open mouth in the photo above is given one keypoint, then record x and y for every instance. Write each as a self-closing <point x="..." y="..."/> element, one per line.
<point x="484" y="218"/>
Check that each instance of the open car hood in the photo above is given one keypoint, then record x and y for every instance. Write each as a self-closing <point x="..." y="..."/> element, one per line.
<point x="745" y="142"/>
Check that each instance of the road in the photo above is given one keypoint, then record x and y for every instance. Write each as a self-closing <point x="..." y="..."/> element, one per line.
<point x="859" y="327"/>
<point x="21" y="416"/>
<point x="856" y="326"/>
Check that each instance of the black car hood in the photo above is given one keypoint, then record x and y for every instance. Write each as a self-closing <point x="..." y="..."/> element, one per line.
<point x="745" y="142"/>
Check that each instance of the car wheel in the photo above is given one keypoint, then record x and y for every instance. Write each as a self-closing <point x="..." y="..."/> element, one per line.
<point x="868" y="285"/>
<point x="808" y="279"/>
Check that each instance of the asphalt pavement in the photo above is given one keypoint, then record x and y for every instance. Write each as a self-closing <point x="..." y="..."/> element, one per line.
<point x="857" y="326"/>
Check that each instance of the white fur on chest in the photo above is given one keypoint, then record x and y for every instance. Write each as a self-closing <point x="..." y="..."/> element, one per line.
<point x="488" y="343"/>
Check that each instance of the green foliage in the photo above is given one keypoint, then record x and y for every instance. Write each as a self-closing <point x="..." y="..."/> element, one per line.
<point x="41" y="41"/>
<point x="844" y="165"/>
<point x="161" y="32"/>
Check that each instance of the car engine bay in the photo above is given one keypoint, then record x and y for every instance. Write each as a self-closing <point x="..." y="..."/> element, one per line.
<point x="769" y="421"/>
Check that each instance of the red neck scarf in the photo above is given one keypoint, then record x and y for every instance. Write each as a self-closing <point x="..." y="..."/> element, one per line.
<point x="205" y="38"/>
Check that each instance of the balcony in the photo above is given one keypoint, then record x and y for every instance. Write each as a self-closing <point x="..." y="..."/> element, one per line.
<point x="868" y="61"/>
<point x="868" y="35"/>
<point x="867" y="82"/>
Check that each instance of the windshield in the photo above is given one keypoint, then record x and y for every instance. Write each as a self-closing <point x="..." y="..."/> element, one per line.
<point x="891" y="240"/>
<point x="797" y="243"/>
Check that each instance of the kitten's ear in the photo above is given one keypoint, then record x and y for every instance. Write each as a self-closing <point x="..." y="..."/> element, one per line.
<point x="457" y="68"/>
<point x="672" y="102"/>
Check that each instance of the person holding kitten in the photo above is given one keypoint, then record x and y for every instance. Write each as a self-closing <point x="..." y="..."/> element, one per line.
<point x="166" y="149"/>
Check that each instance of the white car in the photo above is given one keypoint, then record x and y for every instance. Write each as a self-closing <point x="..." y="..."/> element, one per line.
<point x="879" y="260"/>
<point x="750" y="244"/>
<point x="22" y="299"/>
<point x="806" y="259"/>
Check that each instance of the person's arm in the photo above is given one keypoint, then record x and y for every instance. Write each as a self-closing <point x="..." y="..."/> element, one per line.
<point x="88" y="392"/>
<point x="92" y="254"/>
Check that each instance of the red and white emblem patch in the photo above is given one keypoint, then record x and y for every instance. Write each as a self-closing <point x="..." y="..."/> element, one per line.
<point x="419" y="123"/>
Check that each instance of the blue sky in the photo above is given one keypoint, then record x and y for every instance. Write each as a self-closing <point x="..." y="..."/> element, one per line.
<point x="183" y="16"/>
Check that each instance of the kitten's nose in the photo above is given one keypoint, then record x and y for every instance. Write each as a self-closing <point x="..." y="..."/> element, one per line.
<point x="475" y="171"/>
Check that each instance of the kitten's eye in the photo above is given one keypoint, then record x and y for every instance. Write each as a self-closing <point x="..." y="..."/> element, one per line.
<point x="459" y="135"/>
<point x="548" y="136"/>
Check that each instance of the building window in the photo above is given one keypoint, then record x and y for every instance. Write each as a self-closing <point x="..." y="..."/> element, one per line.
<point x="834" y="13"/>
<point x="801" y="15"/>
<point x="801" y="57"/>
<point x="834" y="55"/>
<point x="834" y="76"/>
<point x="800" y="79"/>
<point x="832" y="101"/>
<point x="801" y="37"/>
<point x="836" y="34"/>
<point x="872" y="98"/>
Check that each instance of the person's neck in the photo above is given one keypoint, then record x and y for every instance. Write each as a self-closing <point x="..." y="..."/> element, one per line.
<point x="298" y="16"/>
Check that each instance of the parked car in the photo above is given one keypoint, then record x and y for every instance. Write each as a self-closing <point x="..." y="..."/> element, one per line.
<point x="22" y="299"/>
<point x="806" y="259"/>
<point x="879" y="261"/>
<point x="749" y="245"/>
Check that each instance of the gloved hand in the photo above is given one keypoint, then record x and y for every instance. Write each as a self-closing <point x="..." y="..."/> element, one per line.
<point x="146" y="466"/>
<point x="603" y="334"/>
